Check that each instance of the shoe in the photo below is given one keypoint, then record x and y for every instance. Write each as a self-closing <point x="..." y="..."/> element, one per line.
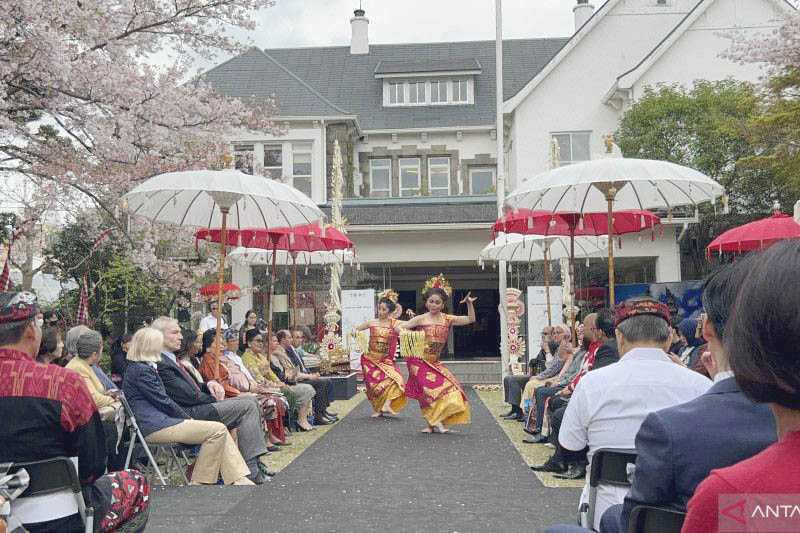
<point x="331" y="414"/>
<point x="574" y="471"/>
<point x="550" y="466"/>
<point x="301" y="428"/>
<point x="259" y="478"/>
<point x="512" y="416"/>
<point x="510" y="413"/>
<point x="533" y="432"/>
<point x="536" y="439"/>
<point x="331" y="418"/>
<point x="520" y="418"/>
<point x="272" y="448"/>
<point x="321" y="421"/>
<point x="265" y="471"/>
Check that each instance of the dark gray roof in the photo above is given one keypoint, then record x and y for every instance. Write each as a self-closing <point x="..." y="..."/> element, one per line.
<point x="329" y="81"/>
<point x="433" y="65"/>
<point x="430" y="210"/>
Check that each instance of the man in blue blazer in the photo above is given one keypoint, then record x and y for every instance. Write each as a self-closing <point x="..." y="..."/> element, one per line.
<point x="680" y="445"/>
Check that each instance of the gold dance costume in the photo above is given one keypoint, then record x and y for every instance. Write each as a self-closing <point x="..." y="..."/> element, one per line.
<point x="381" y="376"/>
<point x="440" y="395"/>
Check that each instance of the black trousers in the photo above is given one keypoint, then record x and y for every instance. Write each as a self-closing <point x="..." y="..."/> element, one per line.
<point x="323" y="388"/>
<point x="563" y="455"/>
<point x="541" y="395"/>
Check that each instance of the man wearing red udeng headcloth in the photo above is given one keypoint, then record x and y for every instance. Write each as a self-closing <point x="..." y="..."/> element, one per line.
<point x="47" y="411"/>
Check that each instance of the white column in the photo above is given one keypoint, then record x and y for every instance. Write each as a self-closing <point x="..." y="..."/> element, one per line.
<point x="242" y="275"/>
<point x="501" y="188"/>
<point x="668" y="260"/>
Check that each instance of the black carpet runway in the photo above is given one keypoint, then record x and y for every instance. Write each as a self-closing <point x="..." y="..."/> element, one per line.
<point x="382" y="475"/>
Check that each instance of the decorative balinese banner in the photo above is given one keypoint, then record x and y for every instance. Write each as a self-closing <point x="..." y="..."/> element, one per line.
<point x="515" y="342"/>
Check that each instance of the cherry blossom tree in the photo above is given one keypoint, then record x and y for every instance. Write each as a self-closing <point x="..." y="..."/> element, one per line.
<point x="83" y="107"/>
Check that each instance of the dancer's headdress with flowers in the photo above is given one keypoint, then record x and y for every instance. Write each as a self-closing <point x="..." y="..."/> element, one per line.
<point x="389" y="294"/>
<point x="438" y="282"/>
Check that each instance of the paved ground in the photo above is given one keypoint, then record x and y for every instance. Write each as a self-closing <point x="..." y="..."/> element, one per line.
<point x="382" y="475"/>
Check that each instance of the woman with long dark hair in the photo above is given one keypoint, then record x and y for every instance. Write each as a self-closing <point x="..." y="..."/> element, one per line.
<point x="385" y="386"/>
<point x="761" y="340"/>
<point x="442" y="399"/>
<point x="250" y="323"/>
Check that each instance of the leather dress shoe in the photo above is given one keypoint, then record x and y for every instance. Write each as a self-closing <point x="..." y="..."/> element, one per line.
<point x="512" y="416"/>
<point x="510" y="413"/>
<point x="331" y="420"/>
<point x="322" y="421"/>
<point x="272" y="448"/>
<point x="520" y="418"/>
<point x="535" y="439"/>
<point x="331" y="414"/>
<point x="550" y="466"/>
<point x="574" y="471"/>
<point x="331" y="417"/>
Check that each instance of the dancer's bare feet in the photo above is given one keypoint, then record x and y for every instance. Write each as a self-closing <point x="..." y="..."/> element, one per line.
<point x="441" y="429"/>
<point x="376" y="415"/>
<point x="428" y="429"/>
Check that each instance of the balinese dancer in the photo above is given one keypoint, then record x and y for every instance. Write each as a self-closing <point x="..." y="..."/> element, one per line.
<point x="440" y="395"/>
<point x="385" y="386"/>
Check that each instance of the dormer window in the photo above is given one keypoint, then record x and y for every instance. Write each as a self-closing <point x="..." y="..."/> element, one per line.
<point x="428" y="83"/>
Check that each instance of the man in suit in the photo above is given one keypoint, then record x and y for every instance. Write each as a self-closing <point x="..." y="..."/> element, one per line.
<point x="603" y="352"/>
<point x="674" y="457"/>
<point x="290" y="341"/>
<point x="199" y="400"/>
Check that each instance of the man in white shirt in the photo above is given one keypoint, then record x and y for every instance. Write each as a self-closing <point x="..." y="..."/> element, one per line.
<point x="610" y="403"/>
<point x="210" y="321"/>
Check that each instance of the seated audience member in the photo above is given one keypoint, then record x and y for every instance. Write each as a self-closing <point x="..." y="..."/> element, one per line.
<point x="211" y="319"/>
<point x="47" y="411"/>
<point x="257" y="362"/>
<point x="669" y="467"/>
<point x="513" y="386"/>
<point x="286" y="372"/>
<point x="761" y="341"/>
<point x="206" y="401"/>
<point x="321" y="385"/>
<point x="119" y="357"/>
<point x="52" y="346"/>
<point x="191" y="344"/>
<point x="676" y="345"/>
<point x="250" y="323"/>
<point x="572" y="366"/>
<point x="609" y="404"/>
<point x="88" y="349"/>
<point x="301" y="336"/>
<point x="162" y="421"/>
<point x="694" y="343"/>
<point x="71" y="342"/>
<point x="554" y="366"/>
<point x="568" y="464"/>
<point x="235" y="382"/>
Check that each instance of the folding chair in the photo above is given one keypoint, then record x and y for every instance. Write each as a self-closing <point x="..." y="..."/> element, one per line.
<point x="651" y="519"/>
<point x="54" y="491"/>
<point x="135" y="433"/>
<point x="610" y="466"/>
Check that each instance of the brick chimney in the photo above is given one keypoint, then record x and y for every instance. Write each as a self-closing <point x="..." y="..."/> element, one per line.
<point x="583" y="11"/>
<point x="359" y="39"/>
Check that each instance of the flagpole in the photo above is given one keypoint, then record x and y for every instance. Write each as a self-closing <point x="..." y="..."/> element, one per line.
<point x="501" y="183"/>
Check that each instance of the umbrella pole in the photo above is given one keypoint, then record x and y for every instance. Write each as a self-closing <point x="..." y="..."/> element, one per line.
<point x="547" y="287"/>
<point x="572" y="311"/>
<point x="220" y="282"/>
<point x="294" y="289"/>
<point x="610" y="199"/>
<point x="271" y="293"/>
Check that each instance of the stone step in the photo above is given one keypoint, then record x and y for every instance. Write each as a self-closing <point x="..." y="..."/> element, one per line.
<point x="479" y="372"/>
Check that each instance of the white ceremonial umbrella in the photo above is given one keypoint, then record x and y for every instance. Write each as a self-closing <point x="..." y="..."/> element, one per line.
<point x="220" y="199"/>
<point x="258" y="256"/>
<point x="605" y="184"/>
<point x="516" y="248"/>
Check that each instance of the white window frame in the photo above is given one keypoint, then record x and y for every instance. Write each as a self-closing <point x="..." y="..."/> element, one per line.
<point x="456" y="99"/>
<point x="304" y="148"/>
<point x="474" y="169"/>
<point x="411" y="86"/>
<point x="243" y="149"/>
<point x="372" y="188"/>
<point x="439" y="84"/>
<point x="431" y="165"/>
<point x="403" y="162"/>
<point x="269" y="169"/>
<point x="562" y="159"/>
<point x="398" y="91"/>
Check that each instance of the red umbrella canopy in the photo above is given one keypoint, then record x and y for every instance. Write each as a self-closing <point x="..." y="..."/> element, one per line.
<point x="230" y="290"/>
<point x="530" y="222"/>
<point x="307" y="238"/>
<point x="756" y="235"/>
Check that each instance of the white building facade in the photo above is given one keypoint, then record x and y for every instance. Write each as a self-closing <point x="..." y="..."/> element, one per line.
<point x="417" y="130"/>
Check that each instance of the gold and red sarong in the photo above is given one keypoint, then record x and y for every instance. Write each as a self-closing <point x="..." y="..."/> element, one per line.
<point x="382" y="378"/>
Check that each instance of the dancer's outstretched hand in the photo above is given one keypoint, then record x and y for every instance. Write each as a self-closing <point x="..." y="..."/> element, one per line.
<point x="468" y="299"/>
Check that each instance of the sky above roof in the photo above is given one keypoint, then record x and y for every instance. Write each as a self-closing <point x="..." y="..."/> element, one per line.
<point x="297" y="23"/>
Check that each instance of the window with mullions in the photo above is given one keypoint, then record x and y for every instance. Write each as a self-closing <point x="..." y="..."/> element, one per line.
<point x="409" y="176"/>
<point x="460" y="92"/>
<point x="301" y="168"/>
<point x="380" y="178"/>
<point x="416" y="92"/>
<point x="439" y="176"/>
<point x="273" y="161"/>
<point x="243" y="157"/>
<point x="573" y="146"/>
<point x="396" y="93"/>
<point x="439" y="92"/>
